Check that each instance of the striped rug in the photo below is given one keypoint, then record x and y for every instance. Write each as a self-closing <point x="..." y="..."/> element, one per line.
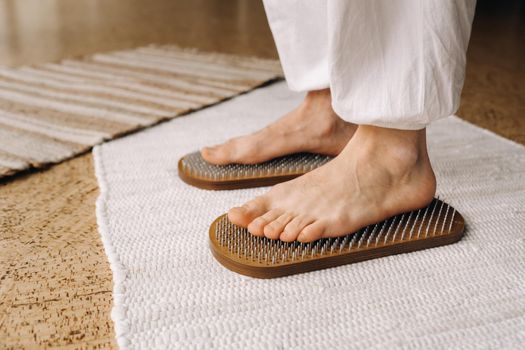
<point x="51" y="112"/>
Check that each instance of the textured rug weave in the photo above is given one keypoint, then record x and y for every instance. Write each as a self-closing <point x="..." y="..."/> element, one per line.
<point x="170" y="293"/>
<point x="51" y="112"/>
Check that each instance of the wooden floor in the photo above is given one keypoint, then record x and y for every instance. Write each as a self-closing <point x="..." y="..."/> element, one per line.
<point x="55" y="282"/>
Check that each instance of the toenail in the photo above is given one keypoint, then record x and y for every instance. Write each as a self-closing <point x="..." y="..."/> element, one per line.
<point x="241" y="209"/>
<point x="272" y="224"/>
<point x="264" y="221"/>
<point x="259" y="221"/>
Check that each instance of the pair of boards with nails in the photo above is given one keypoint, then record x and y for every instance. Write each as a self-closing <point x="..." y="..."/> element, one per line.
<point x="235" y="248"/>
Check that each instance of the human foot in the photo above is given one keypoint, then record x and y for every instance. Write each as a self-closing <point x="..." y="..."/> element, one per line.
<point x="380" y="173"/>
<point x="312" y="127"/>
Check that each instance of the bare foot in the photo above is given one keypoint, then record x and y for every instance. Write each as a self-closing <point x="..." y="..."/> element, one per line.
<point x="380" y="173"/>
<point x="312" y="127"/>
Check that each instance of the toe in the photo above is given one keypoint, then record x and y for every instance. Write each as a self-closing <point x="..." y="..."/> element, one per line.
<point x="294" y="227"/>
<point x="211" y="154"/>
<point x="312" y="232"/>
<point x="274" y="229"/>
<point x="256" y="227"/>
<point x="242" y="216"/>
<point x="219" y="155"/>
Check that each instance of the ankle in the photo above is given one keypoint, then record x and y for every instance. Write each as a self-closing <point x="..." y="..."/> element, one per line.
<point x="401" y="149"/>
<point x="318" y="102"/>
<point x="316" y="96"/>
<point x="317" y="109"/>
<point x="398" y="157"/>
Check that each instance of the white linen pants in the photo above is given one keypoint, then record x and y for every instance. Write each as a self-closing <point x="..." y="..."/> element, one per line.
<point x="389" y="63"/>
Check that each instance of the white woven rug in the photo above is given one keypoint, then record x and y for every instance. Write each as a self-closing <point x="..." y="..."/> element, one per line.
<point x="170" y="293"/>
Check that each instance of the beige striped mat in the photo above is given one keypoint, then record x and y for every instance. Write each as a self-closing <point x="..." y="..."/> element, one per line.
<point x="51" y="112"/>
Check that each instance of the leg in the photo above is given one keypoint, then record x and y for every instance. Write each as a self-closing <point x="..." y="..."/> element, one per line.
<point x="393" y="93"/>
<point x="299" y="29"/>
<point x="398" y="64"/>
